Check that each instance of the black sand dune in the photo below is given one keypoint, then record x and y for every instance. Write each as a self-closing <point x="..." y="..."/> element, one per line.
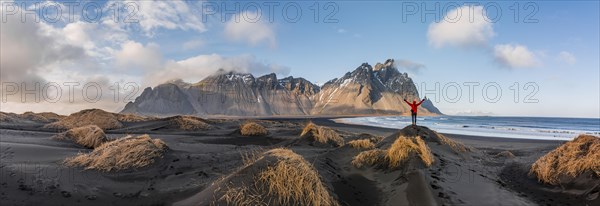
<point x="32" y="170"/>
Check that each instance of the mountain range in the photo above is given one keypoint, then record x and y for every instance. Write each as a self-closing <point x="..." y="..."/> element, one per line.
<point x="365" y="91"/>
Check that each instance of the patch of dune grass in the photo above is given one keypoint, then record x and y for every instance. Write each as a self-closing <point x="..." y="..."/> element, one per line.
<point x="369" y="158"/>
<point x="455" y="145"/>
<point x="376" y="139"/>
<point x="569" y="160"/>
<point x="361" y="144"/>
<point x="124" y="153"/>
<point x="398" y="153"/>
<point x="403" y="147"/>
<point x="242" y="196"/>
<point x="286" y="179"/>
<point x="321" y="134"/>
<point x="188" y="123"/>
<point x="45" y="117"/>
<point x="100" y="118"/>
<point x="293" y="178"/>
<point x="505" y="154"/>
<point x="133" y="118"/>
<point x="90" y="136"/>
<point x="253" y="129"/>
<point x="6" y="117"/>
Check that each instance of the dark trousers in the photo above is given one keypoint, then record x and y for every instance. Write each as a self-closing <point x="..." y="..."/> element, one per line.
<point x="414" y="117"/>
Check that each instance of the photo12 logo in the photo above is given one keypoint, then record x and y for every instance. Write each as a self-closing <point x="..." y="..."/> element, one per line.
<point x="52" y="92"/>
<point x="129" y="12"/>
<point x="491" y="92"/>
<point x="453" y="12"/>
<point x="71" y="11"/>
<point x="289" y="11"/>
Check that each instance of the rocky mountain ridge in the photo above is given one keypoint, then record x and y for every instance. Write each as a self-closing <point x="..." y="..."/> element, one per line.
<point x="366" y="90"/>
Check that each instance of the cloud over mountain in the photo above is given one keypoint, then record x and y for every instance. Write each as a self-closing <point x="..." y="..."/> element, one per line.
<point x="250" y="29"/>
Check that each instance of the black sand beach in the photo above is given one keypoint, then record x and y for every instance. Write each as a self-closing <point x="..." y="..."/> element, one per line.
<point x="32" y="170"/>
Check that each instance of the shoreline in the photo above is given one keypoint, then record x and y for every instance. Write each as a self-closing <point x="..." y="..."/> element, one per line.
<point x="340" y="120"/>
<point x="459" y="136"/>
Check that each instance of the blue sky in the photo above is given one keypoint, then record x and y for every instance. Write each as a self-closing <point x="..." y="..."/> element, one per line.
<point x="559" y="53"/>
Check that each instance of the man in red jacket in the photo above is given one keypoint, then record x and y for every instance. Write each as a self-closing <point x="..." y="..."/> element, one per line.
<point x="413" y="110"/>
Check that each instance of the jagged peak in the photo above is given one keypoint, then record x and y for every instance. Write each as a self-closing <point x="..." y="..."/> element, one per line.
<point x="291" y="78"/>
<point x="223" y="76"/>
<point x="245" y="77"/>
<point x="271" y="76"/>
<point x="389" y="63"/>
<point x="230" y="73"/>
<point x="366" y="66"/>
<point x="286" y="79"/>
<point x="179" y="83"/>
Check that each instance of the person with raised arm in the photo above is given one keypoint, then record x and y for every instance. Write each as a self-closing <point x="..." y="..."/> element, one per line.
<point x="413" y="109"/>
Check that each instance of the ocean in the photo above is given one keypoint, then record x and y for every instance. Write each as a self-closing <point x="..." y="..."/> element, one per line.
<point x="546" y="128"/>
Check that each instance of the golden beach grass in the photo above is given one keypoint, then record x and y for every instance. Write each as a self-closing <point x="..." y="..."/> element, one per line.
<point x="569" y="160"/>
<point x="253" y="129"/>
<point x="124" y="153"/>
<point x="321" y="134"/>
<point x="90" y="136"/>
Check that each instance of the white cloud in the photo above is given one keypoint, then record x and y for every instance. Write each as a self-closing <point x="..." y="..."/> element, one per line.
<point x="28" y="47"/>
<point x="99" y="52"/>
<point x="253" y="33"/>
<point x="196" y="68"/>
<point x="465" y="26"/>
<point x="193" y="44"/>
<point x="409" y="66"/>
<point x="341" y="31"/>
<point x="99" y="93"/>
<point x="514" y="56"/>
<point x="173" y="14"/>
<point x="40" y="53"/>
<point x="567" y="57"/>
<point x="77" y="33"/>
<point x="134" y="55"/>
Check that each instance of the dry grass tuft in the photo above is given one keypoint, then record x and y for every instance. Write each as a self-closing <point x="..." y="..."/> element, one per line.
<point x="294" y="180"/>
<point x="253" y="129"/>
<point x="90" y="136"/>
<point x="133" y="118"/>
<point x="398" y="153"/>
<point x="505" y="154"/>
<point x="125" y="153"/>
<point x="189" y="123"/>
<point x="456" y="146"/>
<point x="362" y="144"/>
<point x="375" y="139"/>
<point x="100" y="118"/>
<point x="6" y="117"/>
<point x="369" y="158"/>
<point x="45" y="117"/>
<point x="242" y="196"/>
<point x="321" y="134"/>
<point x="287" y="179"/>
<point x="402" y="149"/>
<point x="569" y="160"/>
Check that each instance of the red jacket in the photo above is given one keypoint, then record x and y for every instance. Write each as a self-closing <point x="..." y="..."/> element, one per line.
<point x="413" y="107"/>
